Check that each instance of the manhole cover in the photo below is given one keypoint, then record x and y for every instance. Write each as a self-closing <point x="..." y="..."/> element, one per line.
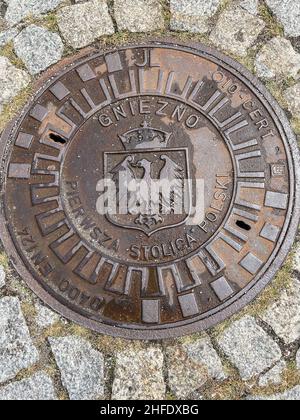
<point x="100" y="247"/>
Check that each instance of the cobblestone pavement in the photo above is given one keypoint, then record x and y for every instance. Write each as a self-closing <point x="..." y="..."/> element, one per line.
<point x="253" y="356"/>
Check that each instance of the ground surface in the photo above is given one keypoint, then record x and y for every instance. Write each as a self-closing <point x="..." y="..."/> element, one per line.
<point x="254" y="355"/>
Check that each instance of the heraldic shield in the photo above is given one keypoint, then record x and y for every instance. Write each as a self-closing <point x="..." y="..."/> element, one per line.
<point x="151" y="182"/>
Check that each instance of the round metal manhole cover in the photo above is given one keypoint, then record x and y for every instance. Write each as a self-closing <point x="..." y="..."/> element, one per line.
<point x="90" y="235"/>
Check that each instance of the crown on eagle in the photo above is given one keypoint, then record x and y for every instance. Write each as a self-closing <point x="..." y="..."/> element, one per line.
<point x="145" y="137"/>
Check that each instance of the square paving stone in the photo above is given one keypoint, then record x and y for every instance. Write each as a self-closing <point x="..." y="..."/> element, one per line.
<point x="249" y="348"/>
<point x="17" y="351"/>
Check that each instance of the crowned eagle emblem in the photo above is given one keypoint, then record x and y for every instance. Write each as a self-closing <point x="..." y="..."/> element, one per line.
<point x="147" y="160"/>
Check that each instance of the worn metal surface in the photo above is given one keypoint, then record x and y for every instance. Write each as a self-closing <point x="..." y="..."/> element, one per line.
<point x="161" y="278"/>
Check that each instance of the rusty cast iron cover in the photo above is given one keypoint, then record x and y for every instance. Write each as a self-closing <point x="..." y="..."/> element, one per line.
<point x="149" y="113"/>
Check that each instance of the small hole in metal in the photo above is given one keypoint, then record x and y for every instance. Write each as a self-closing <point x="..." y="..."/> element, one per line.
<point x="243" y="225"/>
<point x="57" y="139"/>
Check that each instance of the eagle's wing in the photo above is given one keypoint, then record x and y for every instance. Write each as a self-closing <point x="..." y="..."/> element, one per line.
<point x="173" y="173"/>
<point x="123" y="174"/>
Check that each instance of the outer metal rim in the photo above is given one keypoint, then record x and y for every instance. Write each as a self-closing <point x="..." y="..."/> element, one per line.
<point x="270" y="268"/>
